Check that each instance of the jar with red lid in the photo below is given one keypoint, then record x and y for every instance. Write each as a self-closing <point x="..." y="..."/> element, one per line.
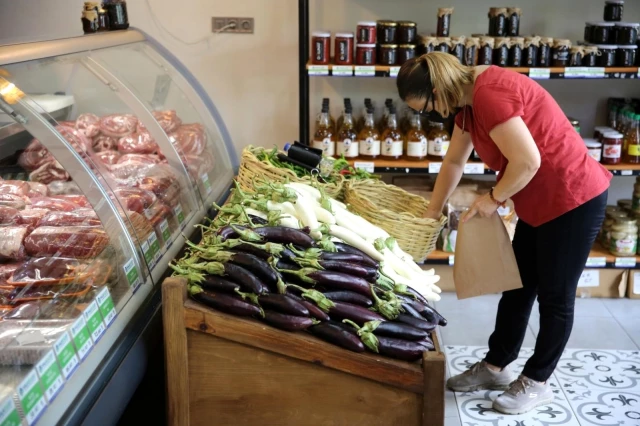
<point x="612" y="148"/>
<point x="343" y="50"/>
<point x="320" y="47"/>
<point x="366" y="54"/>
<point x="366" y="32"/>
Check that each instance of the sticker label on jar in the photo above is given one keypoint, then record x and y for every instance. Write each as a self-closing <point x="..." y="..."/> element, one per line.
<point x="107" y="308"/>
<point x="342" y="70"/>
<point x="81" y="337"/>
<point x="327" y="146"/>
<point x="50" y="376"/>
<point x="624" y="246"/>
<point x="66" y="355"/>
<point x="634" y="150"/>
<point x="596" y="154"/>
<point x="612" y="151"/>
<point x="417" y="148"/>
<point x="348" y="148"/>
<point x="370" y="146"/>
<point x="8" y="414"/>
<point x="342" y="52"/>
<point x="438" y="147"/>
<point x="31" y="397"/>
<point x="95" y="325"/>
<point x="392" y="148"/>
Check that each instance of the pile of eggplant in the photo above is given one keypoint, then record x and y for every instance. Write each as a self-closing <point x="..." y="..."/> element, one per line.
<point x="283" y="276"/>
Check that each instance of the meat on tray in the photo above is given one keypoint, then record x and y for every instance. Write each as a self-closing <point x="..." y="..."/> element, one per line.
<point x="79" y="200"/>
<point x="107" y="157"/>
<point x="72" y="241"/>
<point x="55" y="204"/>
<point x="139" y="159"/>
<point x="10" y="200"/>
<point x="49" y="172"/>
<point x="9" y="216"/>
<point x="34" y="156"/>
<point x="138" y="143"/>
<point x="190" y="139"/>
<point x="37" y="189"/>
<point x="42" y="292"/>
<point x="31" y="217"/>
<point x="135" y="199"/>
<point x="76" y="139"/>
<point x="7" y="270"/>
<point x="44" y="309"/>
<point x="89" y="124"/>
<point x="197" y="165"/>
<point x="62" y="188"/>
<point x="118" y="125"/>
<point x="48" y="270"/>
<point x="157" y="213"/>
<point x="104" y="143"/>
<point x="168" y="120"/>
<point x="12" y="240"/>
<point x="75" y="218"/>
<point x="15" y="187"/>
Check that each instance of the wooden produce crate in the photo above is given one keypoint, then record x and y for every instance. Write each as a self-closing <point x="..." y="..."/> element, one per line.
<point x="227" y="370"/>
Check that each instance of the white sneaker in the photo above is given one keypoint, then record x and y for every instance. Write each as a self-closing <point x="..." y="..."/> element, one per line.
<point x="522" y="396"/>
<point x="480" y="377"/>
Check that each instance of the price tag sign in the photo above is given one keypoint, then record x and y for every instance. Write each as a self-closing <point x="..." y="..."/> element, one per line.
<point x="473" y="169"/>
<point x="626" y="172"/>
<point x="393" y="71"/>
<point x="50" y="376"/>
<point x="147" y="251"/>
<point x="540" y="73"/>
<point x="31" y="397"/>
<point x="594" y="72"/>
<point x="107" y="308"/>
<point x="66" y="355"/>
<point x="625" y="262"/>
<point x="165" y="232"/>
<point x="342" y="70"/>
<point x="367" y="167"/>
<point x="452" y="260"/>
<point x="434" y="167"/>
<point x="81" y="337"/>
<point x="133" y="277"/>
<point x="318" y="69"/>
<point x="206" y="184"/>
<point x="154" y="247"/>
<point x="8" y="414"/>
<point x="95" y="325"/>
<point x="589" y="278"/>
<point x="365" y="71"/>
<point x="179" y="214"/>
<point x="576" y="72"/>
<point x="596" y="262"/>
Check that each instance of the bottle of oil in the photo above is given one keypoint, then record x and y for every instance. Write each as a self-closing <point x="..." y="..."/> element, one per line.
<point x="437" y="142"/>
<point x="416" y="140"/>
<point x="632" y="141"/>
<point x="405" y="121"/>
<point x="382" y="123"/>
<point x="347" y="104"/>
<point x="369" y="138"/>
<point x="360" y="122"/>
<point x="392" y="140"/>
<point x="347" y="143"/>
<point x="324" y="137"/>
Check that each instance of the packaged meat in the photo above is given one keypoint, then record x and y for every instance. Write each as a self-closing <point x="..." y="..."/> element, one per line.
<point x="55" y="204"/>
<point x="34" y="156"/>
<point x="118" y="125"/>
<point x="168" y="120"/>
<point x="189" y="139"/>
<point x="139" y="159"/>
<point x="157" y="213"/>
<point x="12" y="240"/>
<point x="49" y="172"/>
<point x="76" y="218"/>
<point x="72" y="241"/>
<point x="44" y="310"/>
<point x="10" y="200"/>
<point x="197" y="165"/>
<point x="104" y="143"/>
<point x="107" y="157"/>
<point x="138" y="143"/>
<point x="62" y="188"/>
<point x="7" y="270"/>
<point x="44" y="333"/>
<point x="31" y="217"/>
<point x="37" y="189"/>
<point x="76" y="139"/>
<point x="42" y="292"/>
<point x="89" y="124"/>
<point x="135" y="199"/>
<point x="79" y="200"/>
<point x="129" y="171"/>
<point x="48" y="271"/>
<point x="138" y="225"/>
<point x="8" y="216"/>
<point x="15" y="187"/>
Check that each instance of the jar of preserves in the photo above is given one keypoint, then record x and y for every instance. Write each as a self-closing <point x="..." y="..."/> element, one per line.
<point x="485" y="53"/>
<point x="544" y="52"/>
<point x="429" y="44"/>
<point x="589" y="56"/>
<point x="607" y="55"/>
<point x="90" y="17"/>
<point x="437" y="142"/>
<point x="575" y="124"/>
<point x="391" y="139"/>
<point x="416" y="140"/>
<point x="406" y="52"/>
<point x="386" y="31"/>
<point x="498" y="21"/>
<point x="103" y="19"/>
<point x="366" y="54"/>
<point x="407" y="31"/>
<point x="594" y="148"/>
<point x="588" y="32"/>
<point x="444" y="21"/>
<point x="626" y="56"/>
<point x="612" y="148"/>
<point x="613" y="10"/>
<point x="575" y="58"/>
<point x="501" y="51"/>
<point x="530" y="53"/>
<point x="443" y="45"/>
<point x="388" y="54"/>
<point x="456" y="48"/>
<point x="366" y="32"/>
<point x="626" y="33"/>
<point x="602" y="33"/>
<point x="560" y="52"/>
<point x="471" y="47"/>
<point x="343" y="50"/>
<point x="598" y="131"/>
<point x="515" y="51"/>
<point x="320" y="47"/>
<point x="624" y="237"/>
<point x="513" y="21"/>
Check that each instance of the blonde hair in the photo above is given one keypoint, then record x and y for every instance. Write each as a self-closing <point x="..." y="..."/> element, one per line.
<point x="436" y="70"/>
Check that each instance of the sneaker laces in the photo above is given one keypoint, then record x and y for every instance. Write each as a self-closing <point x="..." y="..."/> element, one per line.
<point x="473" y="370"/>
<point x="518" y="386"/>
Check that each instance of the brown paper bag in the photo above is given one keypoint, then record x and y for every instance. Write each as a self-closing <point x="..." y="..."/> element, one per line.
<point x="484" y="259"/>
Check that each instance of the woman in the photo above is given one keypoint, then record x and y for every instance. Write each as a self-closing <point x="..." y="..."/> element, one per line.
<point x="559" y="192"/>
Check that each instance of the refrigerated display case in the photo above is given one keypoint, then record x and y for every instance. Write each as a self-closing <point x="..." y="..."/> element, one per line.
<point x="110" y="154"/>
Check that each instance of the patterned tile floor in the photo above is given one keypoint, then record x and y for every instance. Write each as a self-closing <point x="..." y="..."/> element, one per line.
<point x="595" y="386"/>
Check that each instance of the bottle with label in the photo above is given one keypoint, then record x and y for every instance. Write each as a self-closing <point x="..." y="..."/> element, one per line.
<point x="382" y="123"/>
<point x="347" y="104"/>
<point x="324" y="137"/>
<point x="360" y="122"/>
<point x="438" y="143"/>
<point x="405" y="121"/>
<point x="369" y="138"/>
<point x="416" y="140"/>
<point x="347" y="143"/>
<point x="392" y="141"/>
<point x="632" y="140"/>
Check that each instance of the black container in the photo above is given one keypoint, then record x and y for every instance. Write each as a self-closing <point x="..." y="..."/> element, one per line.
<point x="626" y="56"/>
<point x="501" y="53"/>
<point x="515" y="52"/>
<point x="513" y="21"/>
<point x="457" y="49"/>
<point x="471" y="48"/>
<point x="544" y="52"/>
<point x="575" y="58"/>
<point x="485" y="51"/>
<point x="498" y="21"/>
<point x="406" y="52"/>
<point x="602" y="33"/>
<point x="588" y="29"/>
<point x="387" y="54"/>
<point x="589" y="58"/>
<point x="607" y="56"/>
<point x="613" y="10"/>
<point x="407" y="31"/>
<point x="626" y="33"/>
<point x="386" y="31"/>
<point x="117" y="12"/>
<point x="443" y="45"/>
<point x="560" y="53"/>
<point x="530" y="52"/>
<point x="444" y="21"/>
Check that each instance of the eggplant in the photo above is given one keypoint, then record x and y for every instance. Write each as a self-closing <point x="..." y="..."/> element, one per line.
<point x="248" y="248"/>
<point x="416" y="322"/>
<point x="349" y="297"/>
<point x="365" y="272"/>
<point x="225" y="303"/>
<point x="347" y="257"/>
<point x="218" y="284"/>
<point x="256" y="220"/>
<point x="333" y="280"/>
<point x="399" y="331"/>
<point x="274" y="234"/>
<point x="257" y="266"/>
<point x="287" y="322"/>
<point x="283" y="304"/>
<point x="411" y="311"/>
<point x="424" y="308"/>
<point x="400" y="349"/>
<point x="346" y="248"/>
<point x="287" y="266"/>
<point x="427" y="343"/>
<point x="334" y="333"/>
<point x="248" y="280"/>
<point x="314" y="311"/>
<point x="355" y="313"/>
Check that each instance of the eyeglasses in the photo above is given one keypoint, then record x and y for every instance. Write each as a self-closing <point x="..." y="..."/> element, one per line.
<point x="423" y="112"/>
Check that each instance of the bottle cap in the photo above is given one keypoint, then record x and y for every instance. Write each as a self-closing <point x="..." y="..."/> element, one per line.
<point x="287" y="146"/>
<point x="392" y="109"/>
<point x="367" y="100"/>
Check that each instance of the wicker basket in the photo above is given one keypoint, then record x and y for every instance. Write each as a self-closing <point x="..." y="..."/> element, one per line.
<point x="398" y="212"/>
<point x="251" y="167"/>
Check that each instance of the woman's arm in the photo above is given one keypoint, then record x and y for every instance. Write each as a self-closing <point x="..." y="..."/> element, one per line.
<point x="451" y="171"/>
<point x="515" y="142"/>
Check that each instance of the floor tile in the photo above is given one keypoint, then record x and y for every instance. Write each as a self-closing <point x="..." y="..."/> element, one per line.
<point x="600" y="407"/>
<point x="469" y="328"/>
<point x="450" y="406"/>
<point x="596" y="333"/>
<point x="632" y="327"/>
<point x="623" y="308"/>
<point x="452" y="421"/>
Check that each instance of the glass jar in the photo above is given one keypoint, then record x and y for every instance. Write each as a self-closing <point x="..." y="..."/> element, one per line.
<point x="598" y="131"/>
<point x="635" y="201"/>
<point x="343" y="50"/>
<point x="594" y="148"/>
<point x="576" y="54"/>
<point x="607" y="55"/>
<point x="498" y="21"/>
<point x="407" y="31"/>
<point x="366" y="32"/>
<point x="456" y="48"/>
<point x="544" y="52"/>
<point x="612" y="213"/>
<point x="485" y="53"/>
<point x="515" y="51"/>
<point x="560" y="53"/>
<point x="530" y="53"/>
<point x="589" y="56"/>
<point x="429" y="43"/>
<point x="103" y="19"/>
<point x="588" y="32"/>
<point x="613" y="10"/>
<point x="366" y="54"/>
<point x="626" y="56"/>
<point x="602" y="33"/>
<point x="90" y="17"/>
<point x="387" y="31"/>
<point x="443" y="44"/>
<point x="501" y="51"/>
<point x="626" y="33"/>
<point x="513" y="21"/>
<point x="624" y="237"/>
<point x="444" y="21"/>
<point x="406" y="52"/>
<point x="438" y="141"/>
<point x="575" y="124"/>
<point x="471" y="47"/>
<point x="625" y="205"/>
<point x="320" y="50"/>
<point x="117" y="12"/>
<point x="388" y="54"/>
<point x="612" y="148"/>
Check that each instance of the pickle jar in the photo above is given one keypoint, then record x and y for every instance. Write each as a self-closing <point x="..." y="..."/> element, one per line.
<point x="612" y="214"/>
<point x="485" y="52"/>
<point x="544" y="52"/>
<point x="530" y="52"/>
<point x="501" y="51"/>
<point x="561" y="52"/>
<point x="624" y="237"/>
<point x="444" y="21"/>
<point x="406" y="33"/>
<point x="515" y="51"/>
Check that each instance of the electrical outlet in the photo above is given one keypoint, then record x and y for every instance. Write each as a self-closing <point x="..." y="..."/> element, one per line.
<point x="232" y="25"/>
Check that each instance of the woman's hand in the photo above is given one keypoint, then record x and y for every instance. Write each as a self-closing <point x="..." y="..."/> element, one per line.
<point x="432" y="214"/>
<point x="483" y="206"/>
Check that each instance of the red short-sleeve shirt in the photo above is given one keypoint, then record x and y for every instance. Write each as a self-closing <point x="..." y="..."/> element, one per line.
<point x="567" y="178"/>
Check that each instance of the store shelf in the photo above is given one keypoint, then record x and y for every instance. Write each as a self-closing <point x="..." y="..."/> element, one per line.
<point x="624" y="169"/>
<point x="536" y="73"/>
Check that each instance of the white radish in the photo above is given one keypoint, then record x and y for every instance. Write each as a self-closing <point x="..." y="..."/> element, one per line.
<point x="284" y="208"/>
<point x="358" y="225"/>
<point x="289" y="222"/>
<point x="429" y="272"/>
<point x="355" y="240"/>
<point x="305" y="213"/>
<point x="255" y="213"/>
<point x="307" y="190"/>
<point x="323" y="215"/>
<point x="337" y="205"/>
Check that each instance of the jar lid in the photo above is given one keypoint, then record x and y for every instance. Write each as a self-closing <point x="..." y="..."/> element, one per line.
<point x="592" y="143"/>
<point x="388" y="46"/>
<point x="606" y="46"/>
<point x="614" y="2"/>
<point x="387" y="22"/>
<point x="367" y="24"/>
<point x="603" y="128"/>
<point x="344" y="35"/>
<point x="603" y="24"/>
<point x="368" y="46"/>
<point x="613" y="135"/>
<point x="406" y="23"/>
<point x="630" y="46"/>
<point x="407" y="46"/>
<point x="321" y="34"/>
<point x="627" y="24"/>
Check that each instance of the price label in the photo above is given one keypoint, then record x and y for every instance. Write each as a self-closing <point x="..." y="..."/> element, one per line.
<point x="574" y="72"/>
<point x="540" y="73"/>
<point x="636" y="283"/>
<point x="148" y="214"/>
<point x="147" y="251"/>
<point x="434" y="167"/>
<point x="596" y="262"/>
<point x="365" y="71"/>
<point x="81" y="337"/>
<point x="206" y="184"/>
<point x="179" y="214"/>
<point x="31" y="397"/>
<point x="452" y="260"/>
<point x="154" y="248"/>
<point x="66" y="355"/>
<point x="318" y="70"/>
<point x="95" y="325"/>
<point x="589" y="278"/>
<point x="473" y="169"/>
<point x="50" y="376"/>
<point x="165" y="232"/>
<point x="367" y="167"/>
<point x="131" y="272"/>
<point x="625" y="262"/>
<point x="107" y="308"/>
<point x="8" y="414"/>
<point x="393" y="71"/>
<point x="626" y="172"/>
<point x="594" y="72"/>
<point x="342" y="70"/>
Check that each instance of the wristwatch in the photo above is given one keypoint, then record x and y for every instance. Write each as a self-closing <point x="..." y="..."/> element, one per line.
<point x="499" y="203"/>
